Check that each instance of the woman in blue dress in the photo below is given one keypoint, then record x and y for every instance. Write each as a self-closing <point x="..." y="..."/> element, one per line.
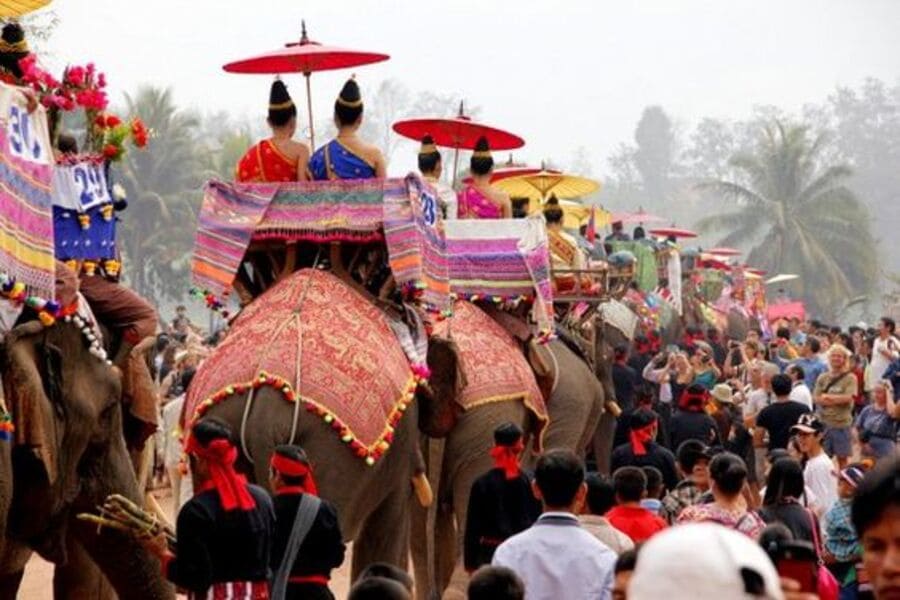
<point x="347" y="156"/>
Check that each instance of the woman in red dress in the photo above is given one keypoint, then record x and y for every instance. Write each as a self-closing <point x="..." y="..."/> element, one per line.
<point x="279" y="158"/>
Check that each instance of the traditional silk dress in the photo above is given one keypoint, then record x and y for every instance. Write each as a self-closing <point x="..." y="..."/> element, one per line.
<point x="472" y="204"/>
<point x="336" y="161"/>
<point x="565" y="254"/>
<point x="265" y="162"/>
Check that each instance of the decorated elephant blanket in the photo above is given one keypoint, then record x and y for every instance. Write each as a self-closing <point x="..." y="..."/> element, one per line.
<point x="26" y="220"/>
<point x="494" y="366"/>
<point x="318" y="342"/>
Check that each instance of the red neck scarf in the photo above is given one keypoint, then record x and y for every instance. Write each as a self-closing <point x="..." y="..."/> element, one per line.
<point x="640" y="437"/>
<point x="228" y="483"/>
<point x="507" y="458"/>
<point x="294" y="468"/>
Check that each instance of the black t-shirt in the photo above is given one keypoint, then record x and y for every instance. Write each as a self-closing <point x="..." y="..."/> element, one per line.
<point x="685" y="425"/>
<point x="778" y="418"/>
<point x="794" y="516"/>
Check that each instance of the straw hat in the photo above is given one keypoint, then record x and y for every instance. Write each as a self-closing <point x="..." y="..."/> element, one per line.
<point x="723" y="393"/>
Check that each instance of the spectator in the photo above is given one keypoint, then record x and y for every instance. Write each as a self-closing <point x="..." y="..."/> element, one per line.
<point x="781" y="502"/>
<point x="876" y="514"/>
<point x="876" y="424"/>
<point x="628" y="516"/>
<point x="625" y="382"/>
<point x="706" y="373"/>
<point x="810" y="362"/>
<point x="808" y="498"/>
<point x="501" y="503"/>
<point x="833" y="395"/>
<point x="653" y="500"/>
<point x="842" y="549"/>
<point x="693" y="462"/>
<point x="777" y="419"/>
<point x="800" y="392"/>
<point x="556" y="558"/>
<point x="378" y="588"/>
<point x="703" y="561"/>
<point x="690" y="421"/>
<point x="817" y="472"/>
<point x="729" y="475"/>
<point x="885" y="350"/>
<point x="495" y="583"/>
<point x="172" y="444"/>
<point x="759" y="397"/>
<point x="623" y="570"/>
<point x="601" y="497"/>
<point x="643" y="451"/>
<point x="388" y="571"/>
<point x="893" y="375"/>
<point x="719" y="352"/>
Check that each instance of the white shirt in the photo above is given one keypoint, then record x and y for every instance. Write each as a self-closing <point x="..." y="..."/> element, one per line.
<point x="880" y="363"/>
<point x="170" y="443"/>
<point x="558" y="559"/>
<point x="757" y="400"/>
<point x="819" y="476"/>
<point x="800" y="393"/>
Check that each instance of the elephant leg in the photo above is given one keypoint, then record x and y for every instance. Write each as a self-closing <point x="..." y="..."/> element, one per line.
<point x="384" y="536"/>
<point x="80" y="577"/>
<point x="603" y="441"/>
<point x="13" y="558"/>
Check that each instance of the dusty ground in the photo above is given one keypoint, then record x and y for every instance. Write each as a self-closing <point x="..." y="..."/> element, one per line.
<point x="38" y="581"/>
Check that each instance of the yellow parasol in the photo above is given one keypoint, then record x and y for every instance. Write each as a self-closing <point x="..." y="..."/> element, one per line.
<point x="17" y="8"/>
<point x="537" y="187"/>
<point x="575" y="214"/>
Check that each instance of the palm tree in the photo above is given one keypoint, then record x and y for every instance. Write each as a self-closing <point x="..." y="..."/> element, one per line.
<point x="798" y="216"/>
<point x="164" y="184"/>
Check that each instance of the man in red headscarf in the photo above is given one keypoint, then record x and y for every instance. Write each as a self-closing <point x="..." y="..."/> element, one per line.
<point x="224" y="532"/>
<point x="501" y="503"/>
<point x="641" y="450"/>
<point x="307" y="543"/>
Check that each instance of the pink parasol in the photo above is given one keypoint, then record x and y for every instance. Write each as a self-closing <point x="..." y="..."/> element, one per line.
<point x="635" y="217"/>
<point x="674" y="232"/>
<point x="307" y="57"/>
<point x="459" y="132"/>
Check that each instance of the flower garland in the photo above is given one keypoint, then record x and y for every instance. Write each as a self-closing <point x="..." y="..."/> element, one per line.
<point x="7" y="428"/>
<point x="370" y="454"/>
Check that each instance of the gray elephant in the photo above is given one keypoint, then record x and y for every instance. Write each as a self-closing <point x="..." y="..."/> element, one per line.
<point x="346" y="344"/>
<point x="457" y="452"/>
<point x="68" y="454"/>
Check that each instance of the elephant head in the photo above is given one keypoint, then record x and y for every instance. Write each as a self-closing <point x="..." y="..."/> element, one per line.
<point x="69" y="452"/>
<point x="438" y="409"/>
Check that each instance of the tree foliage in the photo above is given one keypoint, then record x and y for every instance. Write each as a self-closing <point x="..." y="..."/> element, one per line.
<point x="797" y="215"/>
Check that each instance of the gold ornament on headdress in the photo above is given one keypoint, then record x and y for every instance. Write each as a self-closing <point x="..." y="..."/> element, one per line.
<point x="20" y="46"/>
<point x="281" y="105"/>
<point x="350" y="103"/>
<point x="428" y="149"/>
<point x="482" y="154"/>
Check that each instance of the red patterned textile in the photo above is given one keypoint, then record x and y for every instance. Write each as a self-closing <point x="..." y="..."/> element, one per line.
<point x="494" y="365"/>
<point x="314" y="339"/>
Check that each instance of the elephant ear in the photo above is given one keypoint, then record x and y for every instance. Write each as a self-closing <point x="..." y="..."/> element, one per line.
<point x="439" y="406"/>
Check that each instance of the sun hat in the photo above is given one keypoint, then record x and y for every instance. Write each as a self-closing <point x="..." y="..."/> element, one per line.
<point x="723" y="393"/>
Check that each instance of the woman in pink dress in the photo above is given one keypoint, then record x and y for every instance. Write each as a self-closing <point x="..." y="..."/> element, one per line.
<point x="479" y="200"/>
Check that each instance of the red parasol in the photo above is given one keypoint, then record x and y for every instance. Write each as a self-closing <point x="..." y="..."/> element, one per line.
<point x="724" y="251"/>
<point x="305" y="56"/>
<point x="636" y="217"/>
<point x="674" y="232"/>
<point x="459" y="132"/>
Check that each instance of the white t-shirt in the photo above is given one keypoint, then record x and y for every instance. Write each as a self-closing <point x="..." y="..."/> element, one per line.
<point x="757" y="400"/>
<point x="819" y="477"/>
<point x="880" y="363"/>
<point x="800" y="393"/>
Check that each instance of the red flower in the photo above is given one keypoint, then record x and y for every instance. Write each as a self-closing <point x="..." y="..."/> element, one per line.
<point x="113" y="121"/>
<point x="110" y="151"/>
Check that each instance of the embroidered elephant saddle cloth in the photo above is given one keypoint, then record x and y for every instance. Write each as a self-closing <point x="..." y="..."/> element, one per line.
<point x="316" y="341"/>
<point x="492" y="362"/>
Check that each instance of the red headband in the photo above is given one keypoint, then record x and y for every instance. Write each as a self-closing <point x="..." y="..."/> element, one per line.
<point x="507" y="458"/>
<point x="231" y="486"/>
<point x="692" y="401"/>
<point x="640" y="437"/>
<point x="295" y="468"/>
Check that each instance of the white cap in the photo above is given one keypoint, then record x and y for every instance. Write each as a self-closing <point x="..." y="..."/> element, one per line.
<point x="703" y="561"/>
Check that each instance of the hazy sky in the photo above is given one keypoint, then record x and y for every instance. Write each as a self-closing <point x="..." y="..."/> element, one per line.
<point x="561" y="74"/>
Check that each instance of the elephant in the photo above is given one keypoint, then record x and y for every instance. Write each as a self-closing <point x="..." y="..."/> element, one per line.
<point x="457" y="452"/>
<point x="69" y="455"/>
<point x="371" y="499"/>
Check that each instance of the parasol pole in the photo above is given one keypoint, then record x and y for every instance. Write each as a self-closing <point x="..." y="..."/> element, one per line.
<point x="312" y="133"/>
<point x="456" y="150"/>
